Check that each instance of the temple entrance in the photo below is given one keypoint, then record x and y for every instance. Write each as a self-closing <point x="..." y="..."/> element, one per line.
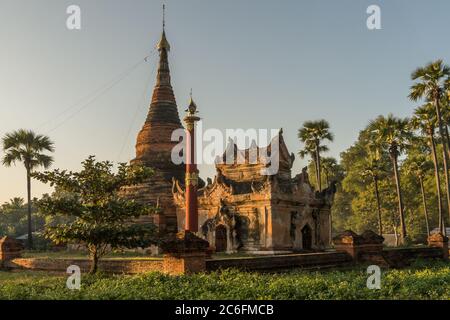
<point x="307" y="237"/>
<point x="221" y="238"/>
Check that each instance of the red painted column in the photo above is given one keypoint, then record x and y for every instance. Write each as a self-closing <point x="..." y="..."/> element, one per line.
<point x="191" y="223"/>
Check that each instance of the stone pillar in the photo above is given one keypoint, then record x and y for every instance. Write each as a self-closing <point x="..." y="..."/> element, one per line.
<point x="365" y="247"/>
<point x="10" y="248"/>
<point x="191" y="223"/>
<point x="438" y="240"/>
<point x="184" y="253"/>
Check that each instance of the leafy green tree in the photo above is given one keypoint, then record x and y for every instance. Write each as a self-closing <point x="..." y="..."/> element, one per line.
<point x="393" y="133"/>
<point x="418" y="165"/>
<point x="356" y="203"/>
<point x="312" y="164"/>
<point x="424" y="119"/>
<point x="13" y="218"/>
<point x="373" y="171"/>
<point x="431" y="81"/>
<point x="332" y="172"/>
<point x="101" y="217"/>
<point x="27" y="147"/>
<point x="329" y="165"/>
<point x="312" y="134"/>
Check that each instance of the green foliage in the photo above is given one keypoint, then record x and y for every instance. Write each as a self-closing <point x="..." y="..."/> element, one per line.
<point x="422" y="281"/>
<point x="27" y="147"/>
<point x="13" y="218"/>
<point x="331" y="171"/>
<point x="414" y="148"/>
<point x="312" y="134"/>
<point x="100" y="217"/>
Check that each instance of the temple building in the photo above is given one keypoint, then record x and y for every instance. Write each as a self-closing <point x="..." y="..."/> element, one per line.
<point x="244" y="210"/>
<point x="154" y="146"/>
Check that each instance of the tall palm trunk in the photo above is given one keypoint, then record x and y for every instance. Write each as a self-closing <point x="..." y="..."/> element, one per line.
<point x="377" y="195"/>
<point x="437" y="177"/>
<point x="394" y="227"/>
<point x="424" y="202"/>
<point x="399" y="195"/>
<point x="444" y="145"/>
<point x="315" y="168"/>
<point x="319" y="180"/>
<point x="30" y="231"/>
<point x="447" y="137"/>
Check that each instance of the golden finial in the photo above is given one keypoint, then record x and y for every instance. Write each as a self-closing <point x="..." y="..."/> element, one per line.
<point x="192" y="108"/>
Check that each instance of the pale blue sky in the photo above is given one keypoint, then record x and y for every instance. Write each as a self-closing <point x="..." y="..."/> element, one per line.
<point x="252" y="64"/>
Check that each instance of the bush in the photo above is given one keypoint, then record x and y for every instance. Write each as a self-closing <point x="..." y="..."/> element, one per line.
<point x="421" y="281"/>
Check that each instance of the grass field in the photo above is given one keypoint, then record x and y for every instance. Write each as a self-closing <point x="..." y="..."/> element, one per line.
<point x="421" y="281"/>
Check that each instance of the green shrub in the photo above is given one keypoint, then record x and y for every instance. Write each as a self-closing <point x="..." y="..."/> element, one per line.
<point x="421" y="281"/>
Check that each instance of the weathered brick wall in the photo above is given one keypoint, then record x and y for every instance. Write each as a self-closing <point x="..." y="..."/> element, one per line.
<point x="111" y="266"/>
<point x="313" y="260"/>
<point x="402" y="257"/>
<point x="389" y="257"/>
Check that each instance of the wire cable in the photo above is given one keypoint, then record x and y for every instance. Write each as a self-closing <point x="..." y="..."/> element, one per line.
<point x="138" y="109"/>
<point x="94" y="95"/>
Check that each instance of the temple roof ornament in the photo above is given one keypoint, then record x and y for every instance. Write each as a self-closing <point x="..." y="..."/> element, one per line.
<point x="192" y="107"/>
<point x="191" y="117"/>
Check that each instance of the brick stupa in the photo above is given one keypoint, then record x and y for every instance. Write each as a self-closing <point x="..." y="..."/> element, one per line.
<point x="154" y="147"/>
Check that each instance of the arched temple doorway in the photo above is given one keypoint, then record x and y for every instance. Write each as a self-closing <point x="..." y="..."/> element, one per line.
<point x="221" y="238"/>
<point x="307" y="237"/>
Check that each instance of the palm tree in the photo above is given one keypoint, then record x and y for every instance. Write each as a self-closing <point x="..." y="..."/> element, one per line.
<point x="373" y="170"/>
<point x="312" y="134"/>
<point x="445" y="109"/>
<point x="431" y="83"/>
<point x="15" y="203"/>
<point x="418" y="165"/>
<point x="393" y="134"/>
<point x="424" y="119"/>
<point x="328" y="166"/>
<point x="310" y="150"/>
<point x="27" y="147"/>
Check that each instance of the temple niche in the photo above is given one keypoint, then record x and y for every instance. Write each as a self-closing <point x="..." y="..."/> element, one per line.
<point x="247" y="211"/>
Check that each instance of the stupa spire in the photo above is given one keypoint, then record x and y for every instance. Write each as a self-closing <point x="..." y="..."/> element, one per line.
<point x="163" y="44"/>
<point x="154" y="142"/>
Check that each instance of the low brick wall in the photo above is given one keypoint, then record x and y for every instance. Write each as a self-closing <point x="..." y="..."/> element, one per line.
<point x="400" y="257"/>
<point x="403" y="257"/>
<point x="368" y="248"/>
<point x="310" y="260"/>
<point x="128" y="266"/>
